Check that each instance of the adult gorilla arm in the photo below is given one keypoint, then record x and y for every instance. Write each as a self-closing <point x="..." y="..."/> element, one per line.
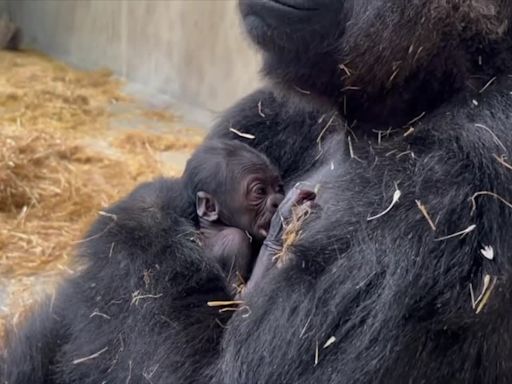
<point x="137" y="310"/>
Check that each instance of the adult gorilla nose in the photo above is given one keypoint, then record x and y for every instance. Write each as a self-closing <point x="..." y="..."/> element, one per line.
<point x="268" y="20"/>
<point x="283" y="5"/>
<point x="277" y="12"/>
<point x="299" y="5"/>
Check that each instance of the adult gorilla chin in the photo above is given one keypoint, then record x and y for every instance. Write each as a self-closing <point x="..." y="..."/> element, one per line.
<point x="404" y="274"/>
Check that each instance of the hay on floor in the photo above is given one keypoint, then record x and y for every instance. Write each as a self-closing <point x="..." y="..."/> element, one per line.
<point x="59" y="165"/>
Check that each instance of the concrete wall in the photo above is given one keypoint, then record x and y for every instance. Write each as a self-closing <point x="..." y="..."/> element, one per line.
<point x="192" y="50"/>
<point x="4" y="7"/>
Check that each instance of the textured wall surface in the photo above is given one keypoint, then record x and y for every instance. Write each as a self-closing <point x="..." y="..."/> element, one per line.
<point x="191" y="50"/>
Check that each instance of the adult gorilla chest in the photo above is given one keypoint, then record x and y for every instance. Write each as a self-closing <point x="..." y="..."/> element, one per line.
<point x="329" y="287"/>
<point x="376" y="288"/>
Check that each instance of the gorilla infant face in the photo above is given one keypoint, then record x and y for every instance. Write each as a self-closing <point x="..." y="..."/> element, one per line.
<point x="255" y="200"/>
<point x="233" y="185"/>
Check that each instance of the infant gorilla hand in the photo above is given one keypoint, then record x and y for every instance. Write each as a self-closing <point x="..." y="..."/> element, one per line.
<point x="273" y="244"/>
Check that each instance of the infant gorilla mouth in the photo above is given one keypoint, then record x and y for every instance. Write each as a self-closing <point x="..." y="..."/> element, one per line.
<point x="263" y="228"/>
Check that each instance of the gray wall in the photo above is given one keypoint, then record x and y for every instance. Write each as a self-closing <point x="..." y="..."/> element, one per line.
<point x="191" y="50"/>
<point x="3" y="6"/>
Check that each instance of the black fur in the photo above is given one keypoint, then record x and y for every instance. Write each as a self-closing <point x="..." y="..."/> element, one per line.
<point x="293" y="135"/>
<point x="396" y="300"/>
<point x="129" y="299"/>
<point x="363" y="299"/>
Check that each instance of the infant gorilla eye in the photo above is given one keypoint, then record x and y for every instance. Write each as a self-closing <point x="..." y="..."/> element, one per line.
<point x="259" y="190"/>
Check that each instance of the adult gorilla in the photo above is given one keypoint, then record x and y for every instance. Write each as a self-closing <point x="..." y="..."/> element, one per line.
<point x="403" y="276"/>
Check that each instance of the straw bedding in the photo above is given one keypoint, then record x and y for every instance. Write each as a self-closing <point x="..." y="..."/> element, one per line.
<point x="59" y="165"/>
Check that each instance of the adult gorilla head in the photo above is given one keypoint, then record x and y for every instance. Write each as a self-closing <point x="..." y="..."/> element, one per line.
<point x="392" y="55"/>
<point x="297" y="36"/>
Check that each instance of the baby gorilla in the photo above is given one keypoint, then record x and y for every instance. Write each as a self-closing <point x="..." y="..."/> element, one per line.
<point x="236" y="191"/>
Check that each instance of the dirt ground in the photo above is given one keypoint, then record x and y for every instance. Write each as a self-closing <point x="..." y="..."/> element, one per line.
<point x="71" y="143"/>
